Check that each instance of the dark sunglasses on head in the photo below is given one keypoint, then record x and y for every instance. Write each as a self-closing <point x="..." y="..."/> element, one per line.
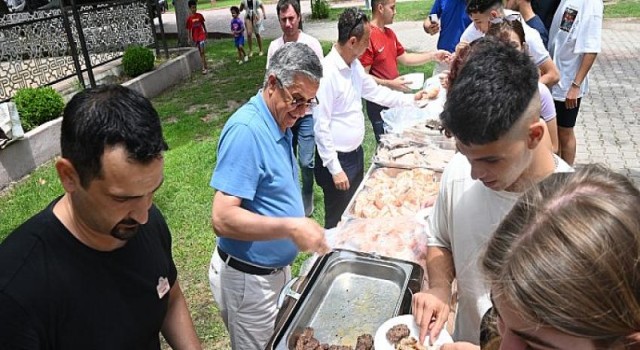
<point x="508" y="18"/>
<point x="359" y="17"/>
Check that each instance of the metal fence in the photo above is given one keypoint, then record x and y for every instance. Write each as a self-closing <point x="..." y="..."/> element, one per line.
<point x="44" y="47"/>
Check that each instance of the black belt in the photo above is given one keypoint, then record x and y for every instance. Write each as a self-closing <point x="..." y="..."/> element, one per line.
<point x="246" y="268"/>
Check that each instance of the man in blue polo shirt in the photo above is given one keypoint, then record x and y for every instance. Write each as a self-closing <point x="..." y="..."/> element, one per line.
<point x="257" y="210"/>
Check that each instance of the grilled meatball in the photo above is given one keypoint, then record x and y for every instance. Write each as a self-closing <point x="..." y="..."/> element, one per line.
<point x="365" y="342"/>
<point x="397" y="332"/>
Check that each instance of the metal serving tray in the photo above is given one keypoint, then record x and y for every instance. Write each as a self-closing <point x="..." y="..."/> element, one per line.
<point x="349" y="294"/>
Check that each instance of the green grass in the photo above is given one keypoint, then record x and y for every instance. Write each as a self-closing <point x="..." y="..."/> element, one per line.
<point x="623" y="8"/>
<point x="193" y="114"/>
<point x="406" y="11"/>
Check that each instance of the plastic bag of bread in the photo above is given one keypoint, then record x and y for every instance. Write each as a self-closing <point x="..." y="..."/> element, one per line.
<point x="400" y="237"/>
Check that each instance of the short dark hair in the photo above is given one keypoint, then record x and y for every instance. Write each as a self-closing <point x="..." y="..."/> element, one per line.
<point x="235" y="9"/>
<point x="106" y="116"/>
<point x="491" y="92"/>
<point x="480" y="6"/>
<point x="284" y="4"/>
<point x="192" y="3"/>
<point x="502" y="30"/>
<point x="351" y="23"/>
<point x="375" y="3"/>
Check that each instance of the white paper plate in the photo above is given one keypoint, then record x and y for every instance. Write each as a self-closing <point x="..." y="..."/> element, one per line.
<point x="380" y="340"/>
<point x="415" y="80"/>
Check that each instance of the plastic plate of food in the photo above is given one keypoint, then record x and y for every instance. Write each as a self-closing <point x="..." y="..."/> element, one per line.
<point x="414" y="80"/>
<point x="401" y="333"/>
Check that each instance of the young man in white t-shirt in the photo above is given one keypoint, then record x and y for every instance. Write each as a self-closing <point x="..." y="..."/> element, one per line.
<point x="574" y="42"/>
<point x="483" y="12"/>
<point x="288" y="12"/>
<point x="501" y="154"/>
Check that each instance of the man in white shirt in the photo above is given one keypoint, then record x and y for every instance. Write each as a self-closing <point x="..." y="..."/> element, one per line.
<point x="288" y="12"/>
<point x="483" y="12"/>
<point x="501" y="154"/>
<point x="338" y="119"/>
<point x="574" y="42"/>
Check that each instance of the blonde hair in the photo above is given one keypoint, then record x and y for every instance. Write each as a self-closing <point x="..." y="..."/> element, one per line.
<point x="568" y="254"/>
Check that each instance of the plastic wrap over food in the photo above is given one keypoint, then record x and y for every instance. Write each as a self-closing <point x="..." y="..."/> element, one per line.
<point x="393" y="192"/>
<point x="435" y="153"/>
<point x="402" y="237"/>
<point x="398" y="119"/>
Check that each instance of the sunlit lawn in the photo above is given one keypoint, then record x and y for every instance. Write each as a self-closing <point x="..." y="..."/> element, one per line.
<point x="193" y="114"/>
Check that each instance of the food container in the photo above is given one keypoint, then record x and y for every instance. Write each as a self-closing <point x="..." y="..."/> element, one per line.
<point x="347" y="294"/>
<point x="434" y="153"/>
<point x="393" y="192"/>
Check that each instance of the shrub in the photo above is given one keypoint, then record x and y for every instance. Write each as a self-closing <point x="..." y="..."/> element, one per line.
<point x="320" y="9"/>
<point x="137" y="60"/>
<point x="37" y="106"/>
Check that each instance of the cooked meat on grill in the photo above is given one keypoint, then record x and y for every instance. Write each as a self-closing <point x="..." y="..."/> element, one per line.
<point x="397" y="332"/>
<point x="365" y="342"/>
<point x="409" y="343"/>
<point x="340" y="347"/>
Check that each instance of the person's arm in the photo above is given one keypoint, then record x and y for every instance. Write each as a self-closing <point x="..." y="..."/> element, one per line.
<point x="204" y="27"/>
<point x="264" y="12"/>
<point x="431" y="307"/>
<point x="177" y="327"/>
<point x="429" y="27"/>
<point x="322" y="130"/>
<point x="397" y="84"/>
<point x="574" y="91"/>
<point x="416" y="59"/>
<point x="549" y="73"/>
<point x="17" y="330"/>
<point x="382" y="95"/>
<point x="230" y="220"/>
<point x="242" y="6"/>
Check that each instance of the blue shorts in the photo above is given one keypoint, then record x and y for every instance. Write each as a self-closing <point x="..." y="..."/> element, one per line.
<point x="239" y="40"/>
<point x="199" y="44"/>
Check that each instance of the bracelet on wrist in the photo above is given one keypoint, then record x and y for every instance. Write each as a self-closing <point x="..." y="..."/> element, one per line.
<point x="573" y="83"/>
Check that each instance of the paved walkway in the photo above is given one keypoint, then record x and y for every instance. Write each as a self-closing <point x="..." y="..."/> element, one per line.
<point x="608" y="129"/>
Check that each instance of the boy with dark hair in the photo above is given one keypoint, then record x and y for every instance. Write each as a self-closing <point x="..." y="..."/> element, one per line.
<point x="493" y="111"/>
<point x="485" y="12"/>
<point x="383" y="55"/>
<point x="237" y="29"/>
<point x="197" y="32"/>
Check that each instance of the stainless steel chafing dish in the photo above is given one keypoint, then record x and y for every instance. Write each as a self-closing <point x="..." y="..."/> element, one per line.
<point x="346" y="294"/>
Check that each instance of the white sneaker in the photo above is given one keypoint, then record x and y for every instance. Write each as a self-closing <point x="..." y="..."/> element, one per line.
<point x="246" y="58"/>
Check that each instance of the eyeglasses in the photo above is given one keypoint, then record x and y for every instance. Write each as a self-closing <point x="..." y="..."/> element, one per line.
<point x="359" y="17"/>
<point x="298" y="102"/>
<point x="508" y="18"/>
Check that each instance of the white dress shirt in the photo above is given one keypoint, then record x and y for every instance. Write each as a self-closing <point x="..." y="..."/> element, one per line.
<point x="338" y="121"/>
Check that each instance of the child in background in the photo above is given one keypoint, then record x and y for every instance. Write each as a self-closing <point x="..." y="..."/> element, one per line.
<point x="237" y="28"/>
<point x="197" y="32"/>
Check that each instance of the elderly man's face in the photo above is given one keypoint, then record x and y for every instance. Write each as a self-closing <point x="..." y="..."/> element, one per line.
<point x="289" y="21"/>
<point x="282" y="98"/>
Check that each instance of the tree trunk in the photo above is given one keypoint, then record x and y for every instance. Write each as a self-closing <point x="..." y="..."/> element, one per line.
<point x="182" y="12"/>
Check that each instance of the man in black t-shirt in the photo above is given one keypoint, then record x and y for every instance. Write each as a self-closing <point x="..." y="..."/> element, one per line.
<point x="94" y="269"/>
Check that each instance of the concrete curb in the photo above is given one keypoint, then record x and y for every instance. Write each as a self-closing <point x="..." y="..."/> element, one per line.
<point x="43" y="143"/>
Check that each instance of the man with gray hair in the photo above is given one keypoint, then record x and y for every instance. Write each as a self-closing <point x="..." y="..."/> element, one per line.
<point x="257" y="210"/>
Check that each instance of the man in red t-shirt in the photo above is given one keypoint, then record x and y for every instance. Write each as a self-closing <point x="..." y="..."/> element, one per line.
<point x="197" y="32"/>
<point x="383" y="54"/>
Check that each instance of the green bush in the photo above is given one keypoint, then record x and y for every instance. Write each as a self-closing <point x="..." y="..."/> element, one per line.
<point x="137" y="60"/>
<point x="320" y="9"/>
<point x="37" y="106"/>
